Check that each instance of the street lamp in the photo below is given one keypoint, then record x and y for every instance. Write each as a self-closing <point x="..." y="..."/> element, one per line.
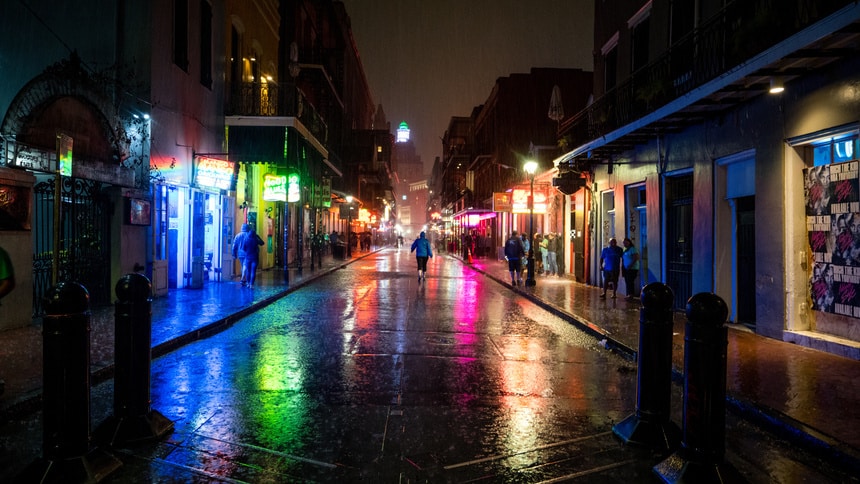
<point x="348" y="226"/>
<point x="530" y="167"/>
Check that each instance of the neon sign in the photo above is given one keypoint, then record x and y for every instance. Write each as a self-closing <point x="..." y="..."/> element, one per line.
<point x="214" y="173"/>
<point x="294" y="193"/>
<point x="274" y="188"/>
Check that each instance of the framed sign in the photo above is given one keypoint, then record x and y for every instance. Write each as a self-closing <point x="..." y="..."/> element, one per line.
<point x="138" y="212"/>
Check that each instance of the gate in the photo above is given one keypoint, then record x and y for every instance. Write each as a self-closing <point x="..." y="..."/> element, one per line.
<point x="679" y="238"/>
<point x="84" y="238"/>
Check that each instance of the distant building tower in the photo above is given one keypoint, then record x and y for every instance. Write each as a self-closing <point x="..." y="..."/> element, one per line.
<point x="403" y="133"/>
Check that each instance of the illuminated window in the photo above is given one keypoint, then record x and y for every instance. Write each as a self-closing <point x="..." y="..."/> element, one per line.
<point x="835" y="150"/>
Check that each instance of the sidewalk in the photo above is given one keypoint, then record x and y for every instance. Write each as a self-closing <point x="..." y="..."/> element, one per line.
<point x="811" y="397"/>
<point x="183" y="316"/>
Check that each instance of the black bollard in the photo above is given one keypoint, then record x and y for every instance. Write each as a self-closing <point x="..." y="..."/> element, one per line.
<point x="133" y="419"/>
<point x="67" y="453"/>
<point x="702" y="452"/>
<point x="650" y="426"/>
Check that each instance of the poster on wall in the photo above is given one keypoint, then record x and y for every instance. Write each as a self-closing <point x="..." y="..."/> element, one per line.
<point x="832" y="196"/>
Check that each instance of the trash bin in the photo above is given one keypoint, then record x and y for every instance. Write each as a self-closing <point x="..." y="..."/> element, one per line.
<point x="338" y="251"/>
<point x="196" y="272"/>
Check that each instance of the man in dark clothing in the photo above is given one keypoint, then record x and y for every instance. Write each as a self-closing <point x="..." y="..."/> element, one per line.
<point x="239" y="251"/>
<point x="610" y="261"/>
<point x="251" y="245"/>
<point x="514" y="252"/>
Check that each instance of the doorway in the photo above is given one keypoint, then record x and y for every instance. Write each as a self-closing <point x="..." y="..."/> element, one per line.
<point x="679" y="237"/>
<point x="745" y="260"/>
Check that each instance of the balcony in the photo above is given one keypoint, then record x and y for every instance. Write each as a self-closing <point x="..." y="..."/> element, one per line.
<point x="254" y="99"/>
<point x="715" y="67"/>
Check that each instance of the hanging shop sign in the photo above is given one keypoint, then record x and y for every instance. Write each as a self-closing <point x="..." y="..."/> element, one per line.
<point x="832" y="196"/>
<point x="64" y="154"/>
<point x="214" y="173"/>
<point x="294" y="189"/>
<point x="502" y="202"/>
<point x="274" y="188"/>
<point x="325" y="192"/>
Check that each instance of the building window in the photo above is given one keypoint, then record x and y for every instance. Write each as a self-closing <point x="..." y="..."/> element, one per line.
<point x="180" y="34"/>
<point x="640" y="35"/>
<point x="206" y="44"/>
<point x="835" y="150"/>
<point x="610" y="63"/>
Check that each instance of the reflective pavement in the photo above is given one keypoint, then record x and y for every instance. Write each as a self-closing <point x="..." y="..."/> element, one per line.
<point x="808" y="395"/>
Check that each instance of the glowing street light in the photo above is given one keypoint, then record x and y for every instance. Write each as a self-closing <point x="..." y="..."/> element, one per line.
<point x="530" y="167"/>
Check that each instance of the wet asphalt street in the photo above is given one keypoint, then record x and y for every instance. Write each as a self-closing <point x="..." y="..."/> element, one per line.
<point x="370" y="375"/>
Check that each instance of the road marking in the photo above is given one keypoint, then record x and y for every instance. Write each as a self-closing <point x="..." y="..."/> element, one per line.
<point x="525" y="451"/>
<point x="589" y="472"/>
<point x="272" y="451"/>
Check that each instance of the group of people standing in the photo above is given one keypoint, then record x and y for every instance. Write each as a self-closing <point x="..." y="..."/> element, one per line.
<point x="546" y="254"/>
<point x="614" y="261"/>
<point x="546" y="246"/>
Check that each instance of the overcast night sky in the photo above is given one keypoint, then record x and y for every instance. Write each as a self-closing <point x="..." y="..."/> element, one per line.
<point x="429" y="60"/>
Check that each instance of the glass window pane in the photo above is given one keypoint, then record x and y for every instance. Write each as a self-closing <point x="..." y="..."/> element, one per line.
<point x="821" y="155"/>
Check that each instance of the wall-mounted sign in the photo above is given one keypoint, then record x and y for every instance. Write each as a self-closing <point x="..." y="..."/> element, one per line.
<point x="15" y="207"/>
<point x="31" y="158"/>
<point x="274" y="188"/>
<point x="832" y="194"/>
<point x="521" y="201"/>
<point x="294" y="193"/>
<point x="214" y="173"/>
<point x="138" y="211"/>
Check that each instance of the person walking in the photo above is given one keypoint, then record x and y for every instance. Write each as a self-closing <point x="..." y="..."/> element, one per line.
<point x="630" y="268"/>
<point x="251" y="244"/>
<point x="239" y="252"/>
<point x="527" y="245"/>
<point x="551" y="254"/>
<point x="610" y="262"/>
<point x="421" y="247"/>
<point x="540" y="252"/>
<point x="514" y="254"/>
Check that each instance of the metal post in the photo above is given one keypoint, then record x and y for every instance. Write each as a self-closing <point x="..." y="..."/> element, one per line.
<point x="133" y="419"/>
<point x="67" y="455"/>
<point x="530" y="279"/>
<point x="650" y="426"/>
<point x="702" y="452"/>
<point x="286" y="242"/>
<point x="348" y="228"/>
<point x="300" y="231"/>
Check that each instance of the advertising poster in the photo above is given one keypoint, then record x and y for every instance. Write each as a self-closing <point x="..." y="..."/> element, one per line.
<point x="832" y="197"/>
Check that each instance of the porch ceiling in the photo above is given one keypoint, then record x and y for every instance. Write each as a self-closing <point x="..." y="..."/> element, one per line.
<point x="842" y="44"/>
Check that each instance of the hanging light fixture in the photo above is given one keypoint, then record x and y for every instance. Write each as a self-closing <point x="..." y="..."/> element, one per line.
<point x="776" y="85"/>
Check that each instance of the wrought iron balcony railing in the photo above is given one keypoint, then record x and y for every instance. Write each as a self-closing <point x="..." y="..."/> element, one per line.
<point x="740" y="31"/>
<point x="263" y="100"/>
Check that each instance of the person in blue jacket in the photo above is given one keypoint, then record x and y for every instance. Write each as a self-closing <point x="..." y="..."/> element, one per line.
<point x="422" y="250"/>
